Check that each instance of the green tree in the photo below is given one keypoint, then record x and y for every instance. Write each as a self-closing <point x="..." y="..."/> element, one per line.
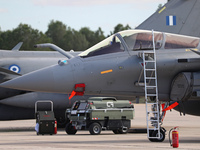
<point x="120" y="27"/>
<point x="100" y="35"/>
<point x="23" y="33"/>
<point x="79" y="42"/>
<point x="89" y="35"/>
<point x="92" y="37"/>
<point x="159" y="7"/>
<point x="56" y="31"/>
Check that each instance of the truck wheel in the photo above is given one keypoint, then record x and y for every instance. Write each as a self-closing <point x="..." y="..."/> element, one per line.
<point x="95" y="129"/>
<point x="116" y="131"/>
<point x="123" y="131"/>
<point x="70" y="129"/>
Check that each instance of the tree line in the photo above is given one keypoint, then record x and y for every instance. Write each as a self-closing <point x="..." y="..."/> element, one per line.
<point x="57" y="33"/>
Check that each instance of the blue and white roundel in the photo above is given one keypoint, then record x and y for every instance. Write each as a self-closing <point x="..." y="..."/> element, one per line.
<point x="14" y="68"/>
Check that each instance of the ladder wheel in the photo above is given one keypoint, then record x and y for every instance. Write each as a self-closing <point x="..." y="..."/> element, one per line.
<point x="151" y="135"/>
<point x="155" y="133"/>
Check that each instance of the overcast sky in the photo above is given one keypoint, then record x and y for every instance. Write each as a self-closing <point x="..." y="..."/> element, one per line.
<point x="76" y="13"/>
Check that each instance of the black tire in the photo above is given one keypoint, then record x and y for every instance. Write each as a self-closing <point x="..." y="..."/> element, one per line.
<point x="116" y="131"/>
<point x="123" y="131"/>
<point x="95" y="129"/>
<point x="70" y="129"/>
<point x="155" y="133"/>
<point x="151" y="135"/>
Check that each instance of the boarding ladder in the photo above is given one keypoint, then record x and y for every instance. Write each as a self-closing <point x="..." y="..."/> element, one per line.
<point x="151" y="93"/>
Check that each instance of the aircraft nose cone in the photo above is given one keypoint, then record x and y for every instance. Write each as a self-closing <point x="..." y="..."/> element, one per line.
<point x="43" y="80"/>
<point x="37" y="80"/>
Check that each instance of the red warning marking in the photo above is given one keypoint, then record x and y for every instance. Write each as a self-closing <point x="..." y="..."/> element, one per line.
<point x="141" y="63"/>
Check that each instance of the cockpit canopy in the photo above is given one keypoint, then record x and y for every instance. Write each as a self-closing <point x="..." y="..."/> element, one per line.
<point x="111" y="44"/>
<point x="138" y="40"/>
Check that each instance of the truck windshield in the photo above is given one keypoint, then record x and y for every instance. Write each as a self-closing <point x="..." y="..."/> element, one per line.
<point x="80" y="106"/>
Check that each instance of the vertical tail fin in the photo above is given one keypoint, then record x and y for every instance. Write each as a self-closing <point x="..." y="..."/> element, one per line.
<point x="177" y="16"/>
<point x="17" y="47"/>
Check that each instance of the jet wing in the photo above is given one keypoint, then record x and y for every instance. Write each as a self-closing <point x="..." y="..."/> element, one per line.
<point x="8" y="72"/>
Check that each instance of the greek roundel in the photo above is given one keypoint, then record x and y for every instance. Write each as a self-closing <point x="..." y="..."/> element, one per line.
<point x="14" y="68"/>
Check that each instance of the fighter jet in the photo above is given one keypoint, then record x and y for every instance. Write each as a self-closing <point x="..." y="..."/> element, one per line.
<point x="115" y="66"/>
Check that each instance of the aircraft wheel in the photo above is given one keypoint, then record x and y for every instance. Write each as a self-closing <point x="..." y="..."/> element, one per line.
<point x="70" y="129"/>
<point x="95" y="129"/>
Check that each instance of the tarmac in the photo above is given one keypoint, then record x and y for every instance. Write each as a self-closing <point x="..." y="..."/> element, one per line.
<point x="21" y="135"/>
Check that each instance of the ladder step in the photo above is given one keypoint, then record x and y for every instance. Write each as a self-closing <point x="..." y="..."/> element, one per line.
<point x="151" y="94"/>
<point x="151" y="78"/>
<point x="148" y="86"/>
<point x="149" y="52"/>
<point x="150" y="69"/>
<point x="151" y="103"/>
<point x="153" y="128"/>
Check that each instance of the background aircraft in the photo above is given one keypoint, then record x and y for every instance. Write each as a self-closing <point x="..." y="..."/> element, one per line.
<point x="19" y="104"/>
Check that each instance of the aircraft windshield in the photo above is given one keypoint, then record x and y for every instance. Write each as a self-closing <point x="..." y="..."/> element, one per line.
<point x="111" y="44"/>
<point x="137" y="40"/>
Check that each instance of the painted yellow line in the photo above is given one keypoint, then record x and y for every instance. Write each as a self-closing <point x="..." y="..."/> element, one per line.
<point x="106" y="71"/>
<point x="162" y="10"/>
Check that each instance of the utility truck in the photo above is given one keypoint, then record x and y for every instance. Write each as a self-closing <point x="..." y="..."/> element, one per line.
<point x="100" y="113"/>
